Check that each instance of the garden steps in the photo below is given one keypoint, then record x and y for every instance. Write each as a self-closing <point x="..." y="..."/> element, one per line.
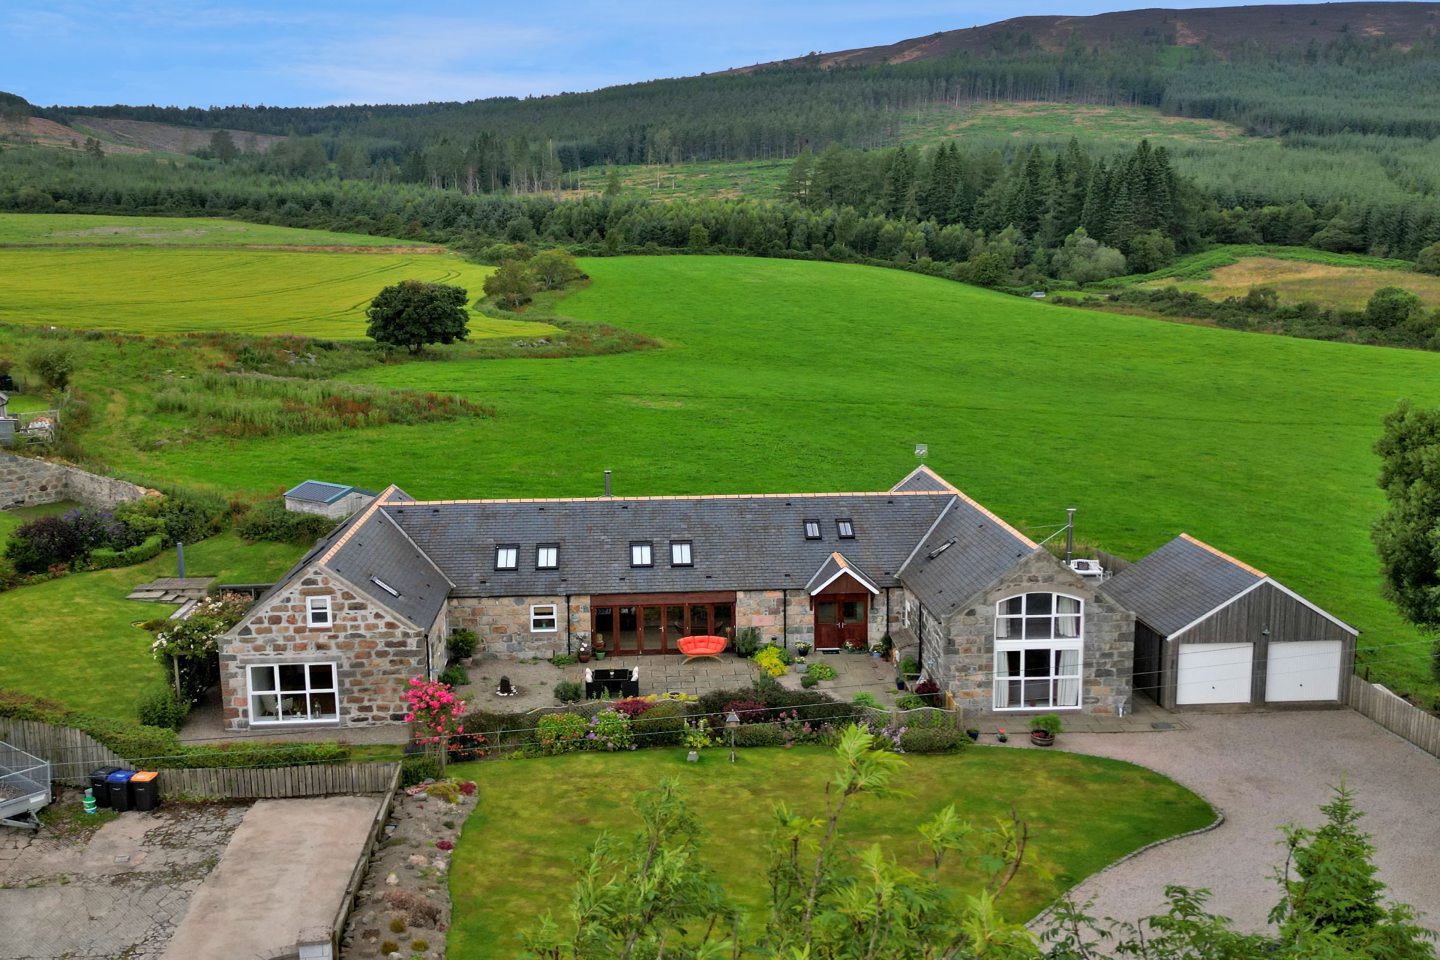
<point x="172" y="590"/>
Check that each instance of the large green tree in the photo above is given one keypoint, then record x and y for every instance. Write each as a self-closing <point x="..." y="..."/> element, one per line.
<point x="1407" y="535"/>
<point x="412" y="313"/>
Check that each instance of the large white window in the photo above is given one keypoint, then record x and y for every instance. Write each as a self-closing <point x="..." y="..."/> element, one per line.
<point x="640" y="554"/>
<point x="1038" y="652"/>
<point x="547" y="556"/>
<point x="317" y="610"/>
<point x="543" y="618"/>
<point x="505" y="556"/>
<point x="680" y="555"/>
<point x="293" y="693"/>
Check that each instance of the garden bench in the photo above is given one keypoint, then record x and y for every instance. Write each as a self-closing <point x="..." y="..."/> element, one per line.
<point x="699" y="647"/>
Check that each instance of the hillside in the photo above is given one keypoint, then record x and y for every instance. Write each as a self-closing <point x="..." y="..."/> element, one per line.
<point x="20" y="124"/>
<point x="1218" y="29"/>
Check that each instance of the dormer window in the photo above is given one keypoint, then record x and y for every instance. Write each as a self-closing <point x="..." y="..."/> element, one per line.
<point x="812" y="529"/>
<point x="845" y="529"/>
<point x="680" y="555"/>
<point x="547" y="556"/>
<point x="640" y="554"/>
<point x="507" y="557"/>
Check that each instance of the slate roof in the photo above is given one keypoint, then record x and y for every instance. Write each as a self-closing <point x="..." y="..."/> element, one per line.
<point x="1180" y="583"/>
<point x="318" y="491"/>
<point x="738" y="542"/>
<point x="923" y="480"/>
<point x="379" y="554"/>
<point x="967" y="548"/>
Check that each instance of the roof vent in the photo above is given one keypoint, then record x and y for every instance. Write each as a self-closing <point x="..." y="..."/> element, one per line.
<point x="385" y="586"/>
<point x="607" y="483"/>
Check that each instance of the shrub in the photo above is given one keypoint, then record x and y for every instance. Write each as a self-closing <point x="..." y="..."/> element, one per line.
<point x="388" y="947"/>
<point x="747" y="641"/>
<point x="455" y="676"/>
<point x="765" y="685"/>
<point x="106" y="558"/>
<point x="932" y="739"/>
<point x="910" y="701"/>
<point x="809" y="680"/>
<point x="929" y="690"/>
<point x="464" y="747"/>
<point x="610" y="730"/>
<point x="662" y="725"/>
<point x="749" y="711"/>
<point x="820" y="671"/>
<point x="462" y="644"/>
<point x="561" y="733"/>
<point x="43" y="543"/>
<point x="632" y="707"/>
<point x="564" y="659"/>
<point x="189" y="517"/>
<point x="53" y="363"/>
<point x="397" y="925"/>
<point x="159" y="707"/>
<point x="758" y="735"/>
<point x="417" y="768"/>
<point x="569" y="691"/>
<point x="865" y="699"/>
<point x="268" y="520"/>
<point x="1047" y="723"/>
<point x="770" y="662"/>
<point x="909" y="666"/>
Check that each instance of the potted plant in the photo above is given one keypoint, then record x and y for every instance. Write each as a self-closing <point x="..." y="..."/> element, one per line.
<point x="599" y="646"/>
<point x="877" y="649"/>
<point x="1002" y="736"/>
<point x="1044" y="728"/>
<point x="802" y="650"/>
<point x="973" y="733"/>
<point x="584" y="653"/>
<point x="910" y="669"/>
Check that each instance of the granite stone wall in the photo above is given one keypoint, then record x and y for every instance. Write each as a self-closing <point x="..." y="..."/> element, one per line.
<point x="25" y="482"/>
<point x="375" y="651"/>
<point x="502" y="624"/>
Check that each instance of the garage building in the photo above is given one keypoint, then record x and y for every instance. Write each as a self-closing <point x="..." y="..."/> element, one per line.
<point x="1212" y="631"/>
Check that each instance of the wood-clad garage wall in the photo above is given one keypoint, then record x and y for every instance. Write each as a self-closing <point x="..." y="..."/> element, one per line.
<point x="1246" y="620"/>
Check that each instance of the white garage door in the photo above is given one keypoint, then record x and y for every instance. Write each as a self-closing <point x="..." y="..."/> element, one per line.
<point x="1214" y="673"/>
<point x="1303" y="670"/>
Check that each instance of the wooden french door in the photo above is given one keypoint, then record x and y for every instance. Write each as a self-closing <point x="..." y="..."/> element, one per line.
<point x="655" y="623"/>
<point x="840" y="617"/>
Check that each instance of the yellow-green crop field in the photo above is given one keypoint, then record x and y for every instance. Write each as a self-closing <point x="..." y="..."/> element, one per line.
<point x="269" y="285"/>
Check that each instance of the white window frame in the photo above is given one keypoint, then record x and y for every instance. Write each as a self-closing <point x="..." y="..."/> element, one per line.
<point x="682" y="553"/>
<point x="845" y="529"/>
<point x="319" y="605"/>
<point x="812" y="530"/>
<point x="642" y="553"/>
<point x="553" y="549"/>
<point x="281" y="697"/>
<point x="1048" y="630"/>
<point x="507" y="552"/>
<point x="537" y="617"/>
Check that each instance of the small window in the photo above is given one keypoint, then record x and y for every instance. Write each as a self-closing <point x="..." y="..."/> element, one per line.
<point x="547" y="556"/>
<point x="680" y="555"/>
<point x="507" y="557"/>
<point x="543" y="618"/>
<point x="812" y="529"/>
<point x="319" y="611"/>
<point x="846" y="529"/>
<point x="385" y="586"/>
<point x="640" y="555"/>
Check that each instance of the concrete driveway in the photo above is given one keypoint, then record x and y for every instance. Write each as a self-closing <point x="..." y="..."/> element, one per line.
<point x="1263" y="770"/>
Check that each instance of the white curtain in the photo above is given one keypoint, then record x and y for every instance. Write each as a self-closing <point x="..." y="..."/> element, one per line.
<point x="1002" y="626"/>
<point x="1067" y="684"/>
<point x="1002" y="679"/>
<point x="1068" y="612"/>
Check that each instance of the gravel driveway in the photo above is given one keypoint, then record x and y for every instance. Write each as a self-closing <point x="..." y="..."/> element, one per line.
<point x="1263" y="770"/>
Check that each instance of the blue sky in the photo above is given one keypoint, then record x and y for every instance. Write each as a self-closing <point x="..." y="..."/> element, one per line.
<point x="311" y="52"/>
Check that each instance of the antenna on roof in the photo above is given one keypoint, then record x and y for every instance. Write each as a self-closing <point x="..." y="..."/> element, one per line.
<point x="922" y="450"/>
<point x="607" y="483"/>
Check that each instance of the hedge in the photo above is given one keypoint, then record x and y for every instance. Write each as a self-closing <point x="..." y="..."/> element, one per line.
<point x="104" y="558"/>
<point x="162" y="749"/>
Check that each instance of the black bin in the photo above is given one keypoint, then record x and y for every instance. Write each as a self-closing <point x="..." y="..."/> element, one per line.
<point x="98" y="787"/>
<point x="145" y="790"/>
<point x="119" y="785"/>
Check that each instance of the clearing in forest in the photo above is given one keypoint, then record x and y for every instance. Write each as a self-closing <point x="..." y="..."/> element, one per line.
<point x="1296" y="280"/>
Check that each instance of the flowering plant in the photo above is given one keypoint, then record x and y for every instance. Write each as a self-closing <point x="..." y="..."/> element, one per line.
<point x="610" y="730"/>
<point x="434" y="710"/>
<point x="697" y="735"/>
<point x="198" y="635"/>
<point x="769" y="660"/>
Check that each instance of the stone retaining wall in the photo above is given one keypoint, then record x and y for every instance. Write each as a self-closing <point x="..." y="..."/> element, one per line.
<point x="27" y="483"/>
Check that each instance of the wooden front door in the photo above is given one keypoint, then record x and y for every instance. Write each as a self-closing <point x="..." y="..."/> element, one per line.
<point x="840" y="617"/>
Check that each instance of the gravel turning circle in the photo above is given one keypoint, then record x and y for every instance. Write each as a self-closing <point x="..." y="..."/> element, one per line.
<point x="1263" y="770"/>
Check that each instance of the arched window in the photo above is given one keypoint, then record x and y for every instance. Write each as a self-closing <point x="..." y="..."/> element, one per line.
<point x="1039" y="641"/>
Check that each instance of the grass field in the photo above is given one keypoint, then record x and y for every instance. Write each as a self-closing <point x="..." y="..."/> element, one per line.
<point x="75" y="229"/>
<point x="810" y="376"/>
<point x="536" y="817"/>
<point x="73" y="640"/>
<point x="756" y="179"/>
<point x="1061" y="121"/>
<point x="1297" y="280"/>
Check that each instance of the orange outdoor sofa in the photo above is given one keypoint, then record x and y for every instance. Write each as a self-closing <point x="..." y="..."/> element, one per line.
<point x="695" y="648"/>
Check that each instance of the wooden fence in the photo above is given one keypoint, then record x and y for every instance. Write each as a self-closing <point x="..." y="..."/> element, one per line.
<point x="73" y="754"/>
<point x="1396" y="715"/>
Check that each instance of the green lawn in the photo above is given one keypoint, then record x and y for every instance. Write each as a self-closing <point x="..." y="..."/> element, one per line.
<point x="516" y="856"/>
<point x="156" y="290"/>
<point x="10" y="519"/>
<point x="73" y="640"/>
<point x="781" y="375"/>
<point x="76" y="229"/>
